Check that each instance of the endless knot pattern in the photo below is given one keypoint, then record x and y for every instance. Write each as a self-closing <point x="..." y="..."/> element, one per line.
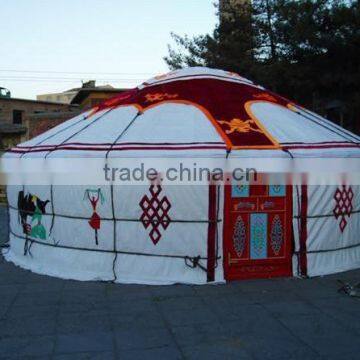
<point x="155" y="212"/>
<point x="343" y="205"/>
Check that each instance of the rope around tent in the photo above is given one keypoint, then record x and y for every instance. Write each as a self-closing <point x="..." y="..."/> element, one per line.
<point x="190" y="261"/>
<point x="30" y="241"/>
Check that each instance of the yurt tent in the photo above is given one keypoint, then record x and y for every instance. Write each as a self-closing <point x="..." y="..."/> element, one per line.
<point x="161" y="234"/>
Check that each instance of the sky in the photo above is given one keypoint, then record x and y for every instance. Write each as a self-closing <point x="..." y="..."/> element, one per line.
<point x="50" y="46"/>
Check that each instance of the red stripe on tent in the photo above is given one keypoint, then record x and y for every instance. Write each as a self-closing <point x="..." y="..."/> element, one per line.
<point x="316" y="143"/>
<point x="119" y="148"/>
<point x="303" y="230"/>
<point x="123" y="147"/>
<point x="119" y="144"/>
<point x="333" y="146"/>
<point x="211" y="233"/>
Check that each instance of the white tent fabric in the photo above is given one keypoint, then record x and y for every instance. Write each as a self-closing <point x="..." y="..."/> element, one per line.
<point x="329" y="249"/>
<point x="195" y="112"/>
<point x="181" y="239"/>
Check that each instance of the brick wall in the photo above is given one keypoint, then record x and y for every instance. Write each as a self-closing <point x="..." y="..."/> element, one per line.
<point x="29" y="108"/>
<point x="36" y="124"/>
<point x="39" y="123"/>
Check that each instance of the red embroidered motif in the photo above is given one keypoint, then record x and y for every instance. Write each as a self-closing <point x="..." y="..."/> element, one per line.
<point x="160" y="97"/>
<point x="265" y="96"/>
<point x="93" y="196"/>
<point x="204" y="95"/>
<point x="238" y="125"/>
<point x="343" y="198"/>
<point x="155" y="212"/>
<point x="95" y="218"/>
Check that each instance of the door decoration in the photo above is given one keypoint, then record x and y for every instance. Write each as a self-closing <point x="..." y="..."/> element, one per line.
<point x="276" y="235"/>
<point x="267" y="205"/>
<point x="258" y="236"/>
<point x="240" y="191"/>
<point x="30" y="205"/>
<point x="244" y="205"/>
<point x="276" y="190"/>
<point x="93" y="196"/>
<point x="343" y="205"/>
<point x="257" y="231"/>
<point x="155" y="212"/>
<point x="239" y="236"/>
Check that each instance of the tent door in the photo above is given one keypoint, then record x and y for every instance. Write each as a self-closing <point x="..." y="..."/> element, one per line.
<point x="257" y="231"/>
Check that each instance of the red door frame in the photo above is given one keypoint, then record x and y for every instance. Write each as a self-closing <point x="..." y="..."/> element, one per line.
<point x="212" y="228"/>
<point x="303" y="230"/>
<point x="257" y="268"/>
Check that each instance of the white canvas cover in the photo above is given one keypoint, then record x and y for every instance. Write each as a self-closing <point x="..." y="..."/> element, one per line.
<point x="138" y="261"/>
<point x="175" y="126"/>
<point x="333" y="228"/>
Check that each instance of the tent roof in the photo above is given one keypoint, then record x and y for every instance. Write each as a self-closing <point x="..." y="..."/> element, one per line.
<point x="195" y="109"/>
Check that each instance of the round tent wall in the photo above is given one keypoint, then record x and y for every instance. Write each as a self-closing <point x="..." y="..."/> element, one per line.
<point x="167" y="234"/>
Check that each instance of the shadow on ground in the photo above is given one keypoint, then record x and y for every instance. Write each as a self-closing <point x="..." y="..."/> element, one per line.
<point x="45" y="317"/>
